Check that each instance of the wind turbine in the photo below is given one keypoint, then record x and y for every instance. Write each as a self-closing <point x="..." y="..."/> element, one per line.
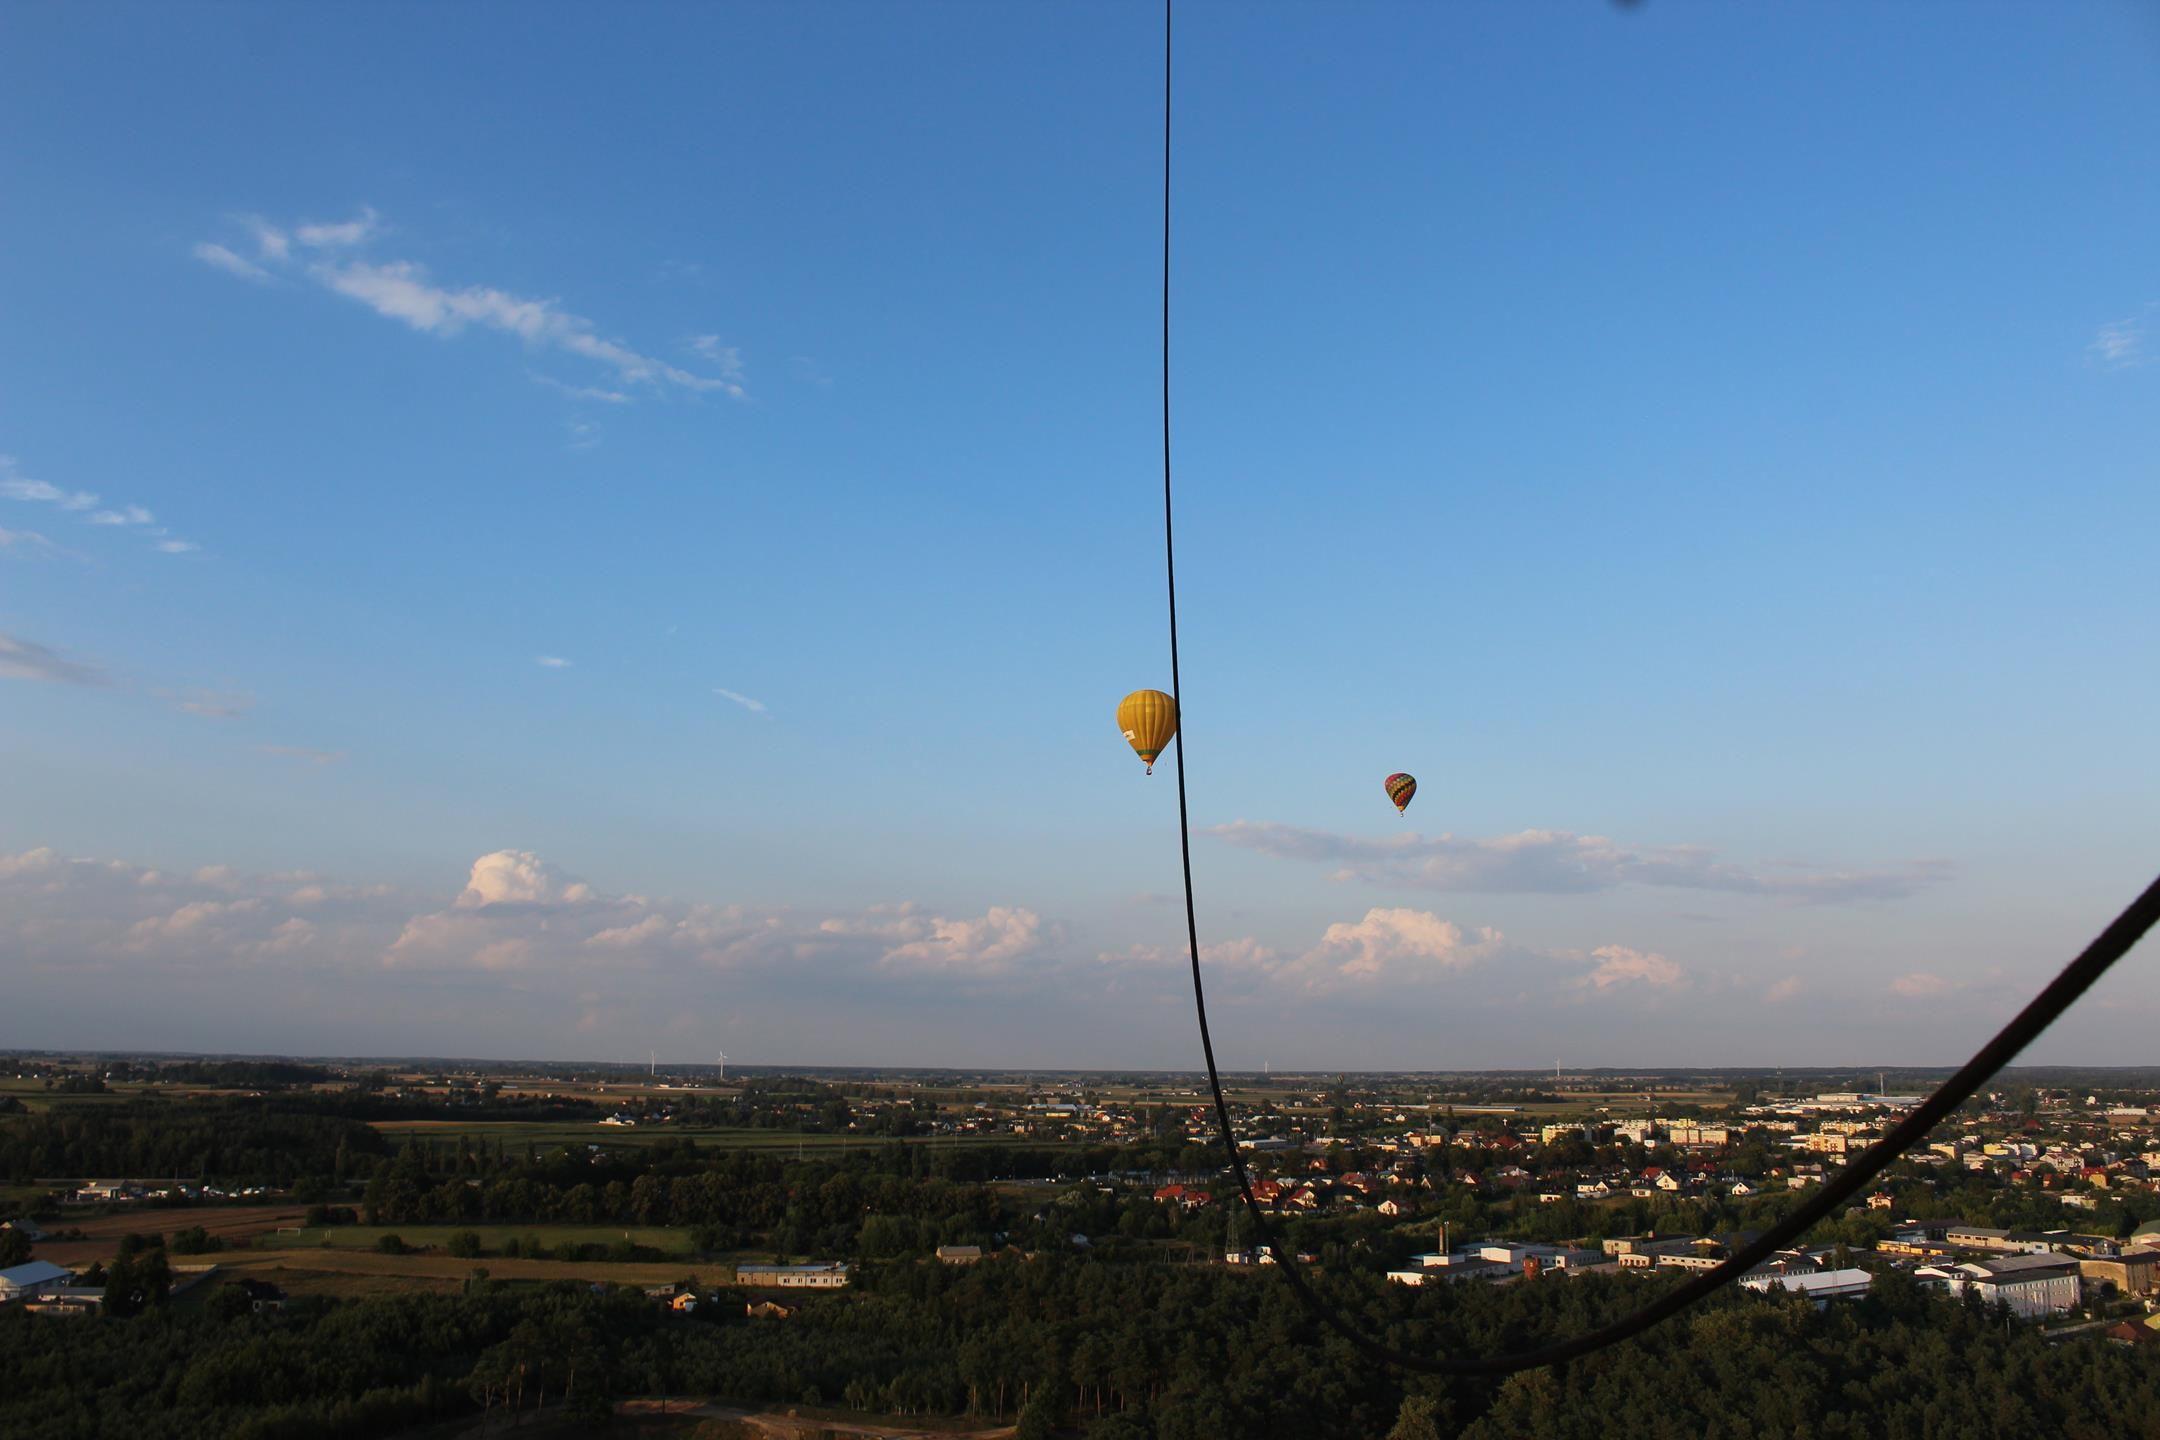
<point x="723" y="1064"/>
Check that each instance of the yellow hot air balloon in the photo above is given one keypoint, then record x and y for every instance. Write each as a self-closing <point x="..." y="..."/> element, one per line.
<point x="1149" y="719"/>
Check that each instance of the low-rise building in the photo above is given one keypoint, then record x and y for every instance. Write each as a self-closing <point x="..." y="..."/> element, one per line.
<point x="1820" y="1286"/>
<point x="2033" y="1286"/>
<point x="20" y="1281"/>
<point x="817" y="1275"/>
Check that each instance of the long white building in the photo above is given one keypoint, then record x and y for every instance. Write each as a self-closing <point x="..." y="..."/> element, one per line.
<point x="2033" y="1286"/>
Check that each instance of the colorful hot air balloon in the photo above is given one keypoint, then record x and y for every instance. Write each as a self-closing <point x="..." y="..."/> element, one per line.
<point x="1400" y="788"/>
<point x="1149" y="719"/>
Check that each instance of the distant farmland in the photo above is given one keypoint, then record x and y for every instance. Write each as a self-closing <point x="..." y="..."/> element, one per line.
<point x="552" y="1133"/>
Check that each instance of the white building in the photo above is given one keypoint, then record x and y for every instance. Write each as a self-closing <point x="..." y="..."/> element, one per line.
<point x="820" y="1275"/>
<point x="20" y="1280"/>
<point x="2033" y="1286"/>
<point x="1821" y="1286"/>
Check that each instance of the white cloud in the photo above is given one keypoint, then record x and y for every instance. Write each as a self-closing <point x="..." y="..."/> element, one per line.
<point x="356" y="231"/>
<point x="583" y="392"/>
<point x="551" y="662"/>
<point x="1619" y="965"/>
<point x="177" y="547"/>
<point x="9" y="539"/>
<point x="14" y="485"/>
<point x="1559" y="862"/>
<point x="221" y="258"/>
<point x="1920" y="985"/>
<point x="210" y="704"/>
<point x="755" y="707"/>
<point x="1400" y="946"/>
<point x="2120" y="343"/>
<point x="985" y="945"/>
<point x="401" y="290"/>
<point x="519" y="877"/>
<point x="22" y="659"/>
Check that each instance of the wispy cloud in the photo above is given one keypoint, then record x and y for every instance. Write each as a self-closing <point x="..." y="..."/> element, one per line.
<point x="755" y="707"/>
<point x="22" y="659"/>
<point x="2120" y="343"/>
<point x="727" y="357"/>
<point x="218" y="257"/>
<point x="583" y="392"/>
<point x="1920" y="985"/>
<point x="24" y="539"/>
<point x="210" y="704"/>
<point x="342" y="234"/>
<point x="1559" y="862"/>
<point x="401" y="290"/>
<point x="1783" y="990"/>
<point x="302" y="752"/>
<point x="551" y="662"/>
<point x="14" y="485"/>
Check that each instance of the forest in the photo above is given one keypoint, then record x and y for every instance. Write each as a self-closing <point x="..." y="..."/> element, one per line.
<point x="1070" y="1346"/>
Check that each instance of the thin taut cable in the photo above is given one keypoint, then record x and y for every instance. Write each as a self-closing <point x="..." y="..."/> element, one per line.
<point x="2112" y="944"/>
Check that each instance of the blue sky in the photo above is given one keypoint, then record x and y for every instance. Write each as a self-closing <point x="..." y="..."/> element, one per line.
<point x="1713" y="449"/>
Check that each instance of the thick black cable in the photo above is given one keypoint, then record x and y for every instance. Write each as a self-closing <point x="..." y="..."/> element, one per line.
<point x="2111" y="945"/>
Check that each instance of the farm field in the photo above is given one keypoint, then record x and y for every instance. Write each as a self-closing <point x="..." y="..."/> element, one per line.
<point x="233" y="1224"/>
<point x="346" y="1268"/>
<point x="663" y="1238"/>
<point x="550" y="1134"/>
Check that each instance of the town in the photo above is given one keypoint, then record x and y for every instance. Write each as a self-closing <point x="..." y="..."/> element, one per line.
<point x="2042" y="1200"/>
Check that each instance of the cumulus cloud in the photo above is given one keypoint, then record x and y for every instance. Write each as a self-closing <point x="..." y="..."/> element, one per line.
<point x="519" y="877"/>
<point x="402" y="290"/>
<point x="22" y="659"/>
<point x="126" y="515"/>
<point x="1396" y="945"/>
<point x="551" y="662"/>
<point x="1619" y="965"/>
<point x="1559" y="862"/>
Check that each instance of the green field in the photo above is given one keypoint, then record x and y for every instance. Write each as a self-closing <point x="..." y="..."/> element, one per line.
<point x="666" y="1240"/>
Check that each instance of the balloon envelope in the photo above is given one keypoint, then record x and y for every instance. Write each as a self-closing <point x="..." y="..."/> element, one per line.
<point x="1149" y="719"/>
<point x="1400" y="788"/>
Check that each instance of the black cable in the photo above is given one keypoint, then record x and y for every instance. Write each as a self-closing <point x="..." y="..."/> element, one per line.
<point x="2113" y="943"/>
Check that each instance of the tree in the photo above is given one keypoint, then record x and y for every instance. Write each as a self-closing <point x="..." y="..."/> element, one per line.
<point x="1419" y="1419"/>
<point x="1043" y="1413"/>
<point x="14" y="1248"/>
